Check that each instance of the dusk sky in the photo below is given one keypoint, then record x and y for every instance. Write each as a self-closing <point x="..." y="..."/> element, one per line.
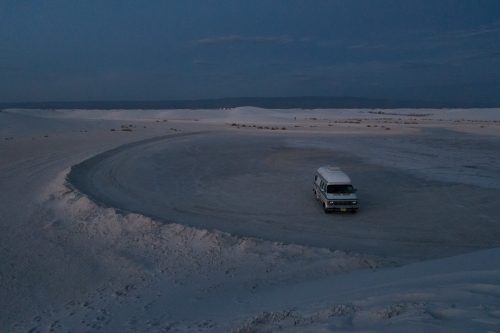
<point x="446" y="50"/>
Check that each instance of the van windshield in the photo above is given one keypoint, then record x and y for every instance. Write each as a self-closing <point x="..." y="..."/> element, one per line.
<point x="340" y="189"/>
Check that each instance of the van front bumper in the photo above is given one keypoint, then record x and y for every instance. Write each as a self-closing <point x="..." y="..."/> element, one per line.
<point x="342" y="209"/>
<point x="342" y="206"/>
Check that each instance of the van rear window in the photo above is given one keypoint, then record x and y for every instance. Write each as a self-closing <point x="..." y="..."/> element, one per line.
<point x="338" y="189"/>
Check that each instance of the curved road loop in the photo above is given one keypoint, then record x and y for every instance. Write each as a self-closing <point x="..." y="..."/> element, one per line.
<point x="261" y="186"/>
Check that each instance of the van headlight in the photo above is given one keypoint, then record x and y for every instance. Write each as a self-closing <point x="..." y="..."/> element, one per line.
<point x="330" y="202"/>
<point x="354" y="202"/>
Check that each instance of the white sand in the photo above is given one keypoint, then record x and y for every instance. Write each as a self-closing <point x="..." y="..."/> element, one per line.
<point x="218" y="231"/>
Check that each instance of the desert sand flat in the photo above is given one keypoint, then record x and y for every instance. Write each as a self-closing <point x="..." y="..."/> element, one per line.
<point x="205" y="220"/>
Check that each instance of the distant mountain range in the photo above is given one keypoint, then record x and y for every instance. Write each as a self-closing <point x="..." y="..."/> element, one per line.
<point x="301" y="102"/>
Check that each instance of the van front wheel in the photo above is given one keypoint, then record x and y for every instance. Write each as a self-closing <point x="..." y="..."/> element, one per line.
<point x="325" y="208"/>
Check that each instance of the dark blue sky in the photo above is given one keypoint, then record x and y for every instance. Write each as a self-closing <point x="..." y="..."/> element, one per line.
<point x="446" y="50"/>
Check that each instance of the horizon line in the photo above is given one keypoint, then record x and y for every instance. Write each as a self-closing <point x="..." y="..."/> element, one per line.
<point x="285" y="102"/>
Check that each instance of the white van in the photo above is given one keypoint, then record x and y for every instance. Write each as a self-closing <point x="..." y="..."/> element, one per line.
<point x="334" y="190"/>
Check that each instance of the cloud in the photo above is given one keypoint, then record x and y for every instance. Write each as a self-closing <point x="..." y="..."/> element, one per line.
<point x="484" y="30"/>
<point x="204" y="63"/>
<point x="489" y="30"/>
<point x="421" y="65"/>
<point x="495" y="55"/>
<point x="455" y="60"/>
<point x="238" y="39"/>
<point x="367" y="46"/>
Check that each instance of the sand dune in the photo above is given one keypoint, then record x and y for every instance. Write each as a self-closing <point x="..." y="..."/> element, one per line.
<point x="185" y="222"/>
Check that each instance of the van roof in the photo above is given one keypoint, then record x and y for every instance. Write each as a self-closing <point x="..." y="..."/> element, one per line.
<point x="333" y="174"/>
